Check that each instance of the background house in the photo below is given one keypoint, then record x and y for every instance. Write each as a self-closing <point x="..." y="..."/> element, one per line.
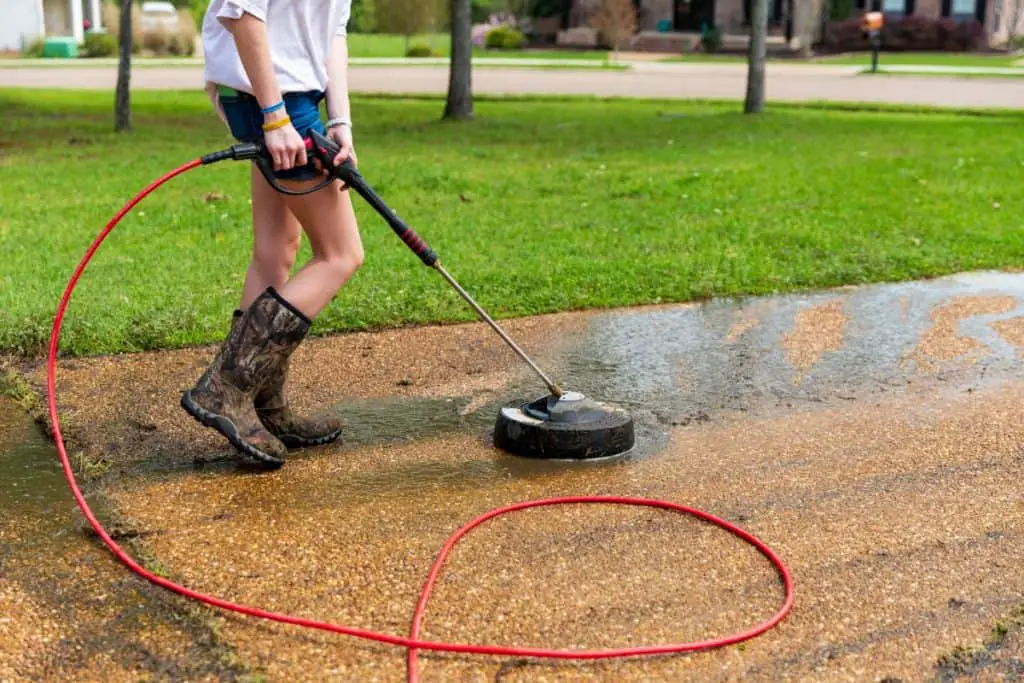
<point x="26" y="20"/>
<point x="682" y="16"/>
<point x="674" y="25"/>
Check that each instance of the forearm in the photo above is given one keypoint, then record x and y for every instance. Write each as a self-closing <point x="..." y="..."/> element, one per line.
<point x="337" y="81"/>
<point x="250" y="36"/>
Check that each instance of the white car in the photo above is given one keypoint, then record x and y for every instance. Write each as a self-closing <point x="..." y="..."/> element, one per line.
<point x="158" y="14"/>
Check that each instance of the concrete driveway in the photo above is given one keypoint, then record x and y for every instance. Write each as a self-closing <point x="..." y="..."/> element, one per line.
<point x="871" y="436"/>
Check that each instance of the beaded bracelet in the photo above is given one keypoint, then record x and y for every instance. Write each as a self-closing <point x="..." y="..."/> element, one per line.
<point x="272" y="109"/>
<point x="281" y="123"/>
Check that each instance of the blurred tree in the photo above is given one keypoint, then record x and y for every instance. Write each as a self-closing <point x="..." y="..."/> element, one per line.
<point x="756" y="58"/>
<point x="408" y="17"/>
<point x="460" y="69"/>
<point x="615" y="21"/>
<point x="122" y="97"/>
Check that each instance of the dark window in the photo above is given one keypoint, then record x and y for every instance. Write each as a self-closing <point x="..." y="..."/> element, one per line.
<point x="962" y="10"/>
<point x="895" y="9"/>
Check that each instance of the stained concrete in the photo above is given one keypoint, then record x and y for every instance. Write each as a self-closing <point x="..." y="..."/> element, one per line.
<point x="68" y="610"/>
<point x="871" y="436"/>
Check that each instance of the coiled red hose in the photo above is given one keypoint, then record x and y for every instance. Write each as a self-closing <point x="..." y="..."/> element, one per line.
<point x="412" y="643"/>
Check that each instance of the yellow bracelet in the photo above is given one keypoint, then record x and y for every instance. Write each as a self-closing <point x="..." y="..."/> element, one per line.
<point x="277" y="124"/>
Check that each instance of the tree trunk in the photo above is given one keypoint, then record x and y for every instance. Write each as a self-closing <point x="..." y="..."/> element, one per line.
<point x="460" y="70"/>
<point x="756" y="57"/>
<point x="122" y="100"/>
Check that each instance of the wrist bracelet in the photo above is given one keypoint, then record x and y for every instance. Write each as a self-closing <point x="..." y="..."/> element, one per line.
<point x="339" y="121"/>
<point x="272" y="109"/>
<point x="267" y="127"/>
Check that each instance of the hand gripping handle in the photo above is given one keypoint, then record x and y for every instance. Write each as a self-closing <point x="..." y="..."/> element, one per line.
<point x="325" y="150"/>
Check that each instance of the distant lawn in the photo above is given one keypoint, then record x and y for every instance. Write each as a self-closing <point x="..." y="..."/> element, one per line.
<point x="537" y="206"/>
<point x="377" y="45"/>
<point x="864" y="59"/>
<point x="941" y="74"/>
<point x="924" y="59"/>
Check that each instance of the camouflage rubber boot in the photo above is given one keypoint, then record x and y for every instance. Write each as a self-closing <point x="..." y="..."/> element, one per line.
<point x="220" y="352"/>
<point x="223" y="399"/>
<point x="293" y="430"/>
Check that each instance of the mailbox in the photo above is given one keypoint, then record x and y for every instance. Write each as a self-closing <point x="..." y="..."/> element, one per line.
<point x="872" y="24"/>
<point x="873" y="21"/>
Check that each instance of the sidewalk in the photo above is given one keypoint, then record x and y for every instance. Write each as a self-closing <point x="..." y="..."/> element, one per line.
<point x="785" y="82"/>
<point x="354" y="61"/>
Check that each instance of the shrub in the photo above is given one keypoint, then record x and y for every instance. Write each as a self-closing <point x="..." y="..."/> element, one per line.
<point x="968" y="35"/>
<point x="198" y="12"/>
<point x="99" y="45"/>
<point x="846" y="35"/>
<point x="34" y="50"/>
<point x="838" y="10"/>
<point x="156" y="41"/>
<point x="419" y="50"/>
<point x="481" y="9"/>
<point x="545" y="8"/>
<point x="907" y="34"/>
<point x="504" y="38"/>
<point x="183" y="43"/>
<point x="911" y="33"/>
<point x="364" y="17"/>
<point x="711" y="40"/>
<point x="615" y="21"/>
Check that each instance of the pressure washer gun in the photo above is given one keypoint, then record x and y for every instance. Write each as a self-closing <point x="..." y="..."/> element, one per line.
<point x="324" y="150"/>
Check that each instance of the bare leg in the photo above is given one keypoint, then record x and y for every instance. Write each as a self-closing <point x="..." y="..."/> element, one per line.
<point x="276" y="238"/>
<point x="329" y="221"/>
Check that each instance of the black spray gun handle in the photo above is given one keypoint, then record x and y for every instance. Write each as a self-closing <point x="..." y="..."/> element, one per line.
<point x="324" y="150"/>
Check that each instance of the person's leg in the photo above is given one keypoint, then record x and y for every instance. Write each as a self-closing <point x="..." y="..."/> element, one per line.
<point x="242" y="395"/>
<point x="329" y="221"/>
<point x="276" y="239"/>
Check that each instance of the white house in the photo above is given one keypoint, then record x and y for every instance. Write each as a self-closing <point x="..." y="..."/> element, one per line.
<point x="26" y="20"/>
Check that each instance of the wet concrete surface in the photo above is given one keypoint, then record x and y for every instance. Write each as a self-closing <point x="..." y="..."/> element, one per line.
<point x="871" y="436"/>
<point x="68" y="611"/>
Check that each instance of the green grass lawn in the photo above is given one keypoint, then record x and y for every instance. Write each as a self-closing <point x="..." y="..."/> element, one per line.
<point x="537" y="206"/>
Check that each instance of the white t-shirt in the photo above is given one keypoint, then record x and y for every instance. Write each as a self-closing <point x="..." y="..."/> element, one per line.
<point x="300" y="33"/>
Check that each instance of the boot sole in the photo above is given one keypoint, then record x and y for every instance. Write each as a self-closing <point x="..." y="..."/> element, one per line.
<point x="228" y="430"/>
<point x="292" y="441"/>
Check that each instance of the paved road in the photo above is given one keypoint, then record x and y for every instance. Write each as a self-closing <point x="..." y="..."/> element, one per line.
<point x="728" y="81"/>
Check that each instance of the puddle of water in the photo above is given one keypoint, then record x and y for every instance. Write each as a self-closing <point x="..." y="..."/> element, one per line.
<point x="31" y="480"/>
<point x="675" y="366"/>
<point x="376" y="421"/>
<point x="680" y="364"/>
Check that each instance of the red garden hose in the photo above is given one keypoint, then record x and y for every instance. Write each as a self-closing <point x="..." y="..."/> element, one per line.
<point x="412" y="643"/>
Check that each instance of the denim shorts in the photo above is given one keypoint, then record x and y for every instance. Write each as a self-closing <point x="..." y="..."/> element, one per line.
<point x="245" y="119"/>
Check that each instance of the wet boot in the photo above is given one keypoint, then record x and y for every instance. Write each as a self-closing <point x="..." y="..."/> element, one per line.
<point x="277" y="416"/>
<point x="293" y="430"/>
<point x="223" y="398"/>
